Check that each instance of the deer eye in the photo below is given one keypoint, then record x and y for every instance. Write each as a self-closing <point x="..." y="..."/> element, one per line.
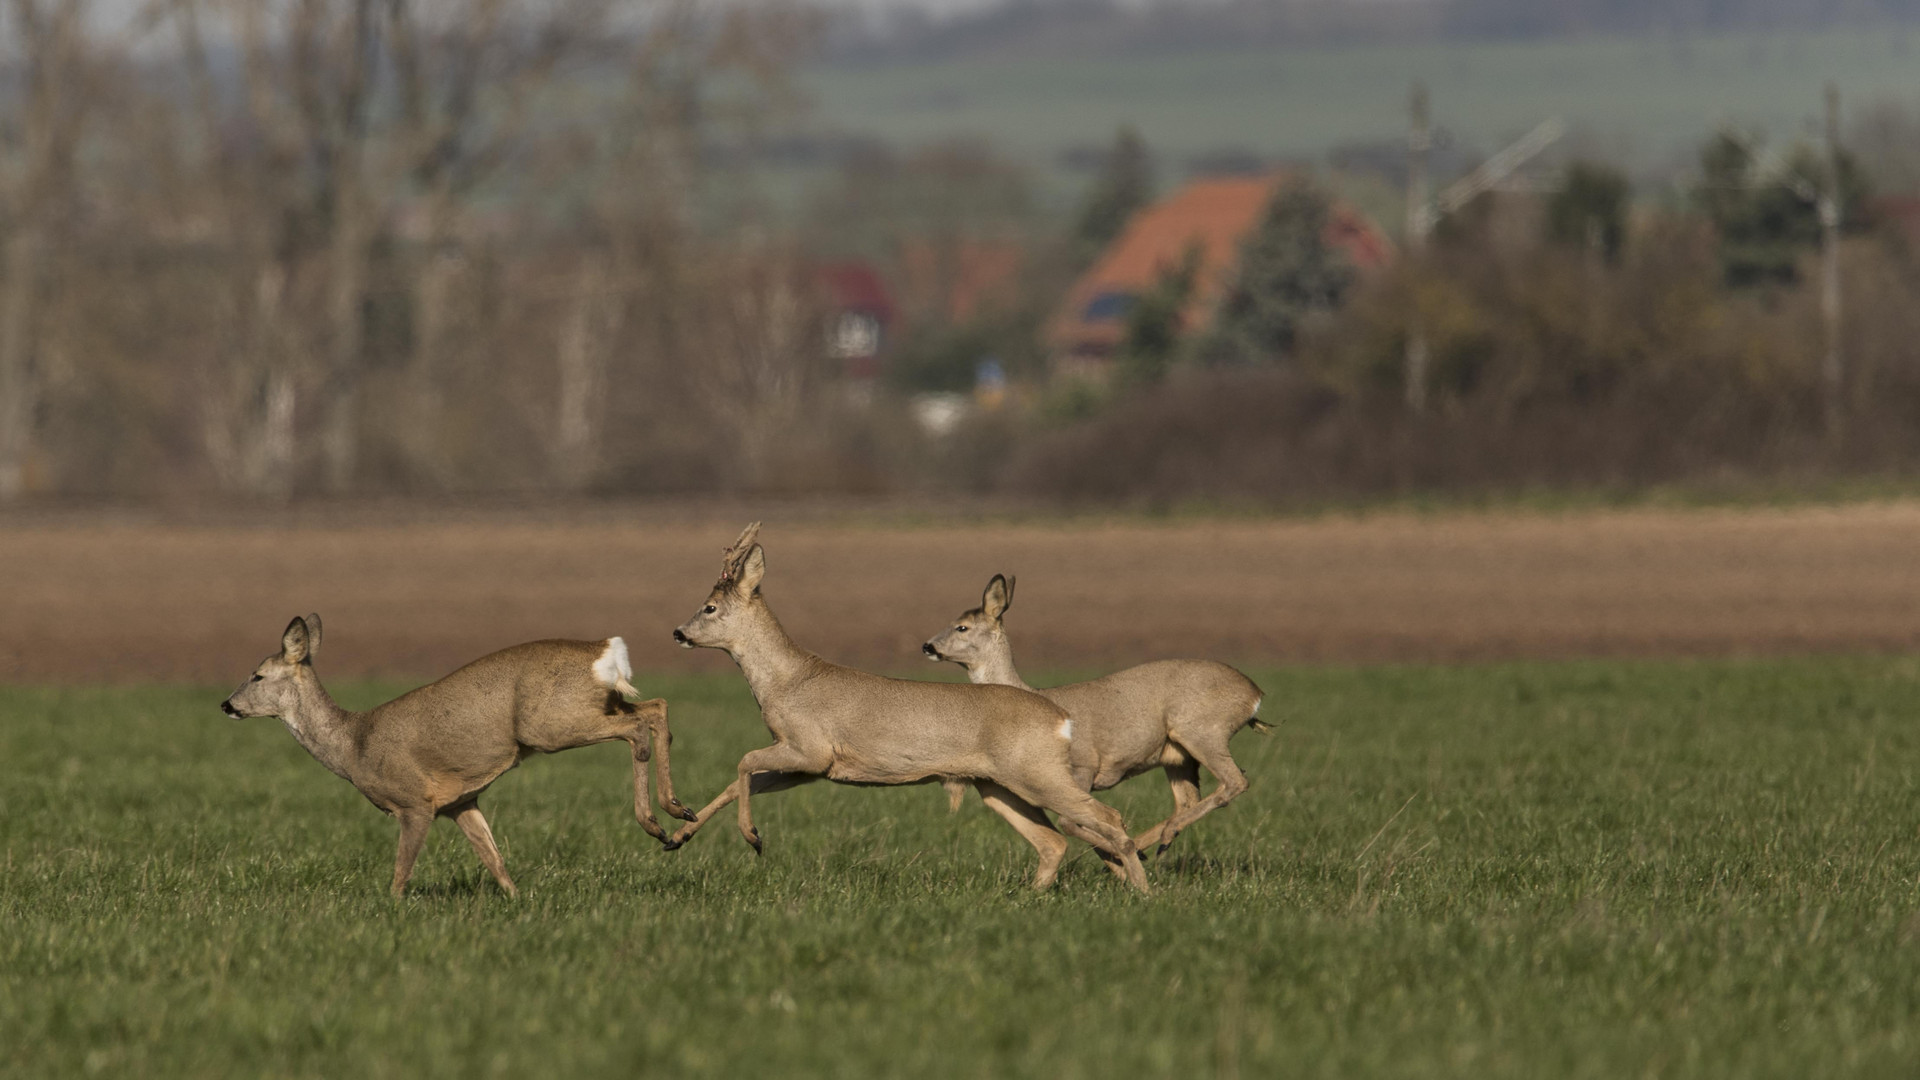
<point x="709" y="609"/>
<point x="256" y="678"/>
<point x="961" y="629"/>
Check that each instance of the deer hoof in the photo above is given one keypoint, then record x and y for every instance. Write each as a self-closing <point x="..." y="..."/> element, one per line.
<point x="754" y="839"/>
<point x="671" y="843"/>
<point x="680" y="811"/>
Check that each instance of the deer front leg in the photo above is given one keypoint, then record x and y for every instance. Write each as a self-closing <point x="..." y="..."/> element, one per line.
<point x="481" y="837"/>
<point x="956" y="791"/>
<point x="788" y="766"/>
<point x="413" y="835"/>
<point x="762" y="783"/>
<point x="705" y="815"/>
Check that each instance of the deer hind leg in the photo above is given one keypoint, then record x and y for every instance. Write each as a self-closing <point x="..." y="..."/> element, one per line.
<point x="662" y="742"/>
<point x="1101" y="822"/>
<point x="1112" y="861"/>
<point x="642" y="803"/>
<point x="413" y="836"/>
<point x="481" y="837"/>
<point x="649" y="718"/>
<point x="1029" y="822"/>
<point x="1211" y="752"/>
<point x="1184" y="778"/>
<point x="611" y="718"/>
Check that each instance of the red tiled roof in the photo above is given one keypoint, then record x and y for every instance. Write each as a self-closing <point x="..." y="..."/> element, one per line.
<point x="854" y="286"/>
<point x="1901" y="214"/>
<point x="1213" y="213"/>
<point x="960" y="280"/>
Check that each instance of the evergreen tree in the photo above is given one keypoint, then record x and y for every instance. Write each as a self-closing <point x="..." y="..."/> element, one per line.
<point x="1589" y="208"/>
<point x="1156" y="323"/>
<point x="1125" y="185"/>
<point x="1766" y="222"/>
<point x="1287" y="272"/>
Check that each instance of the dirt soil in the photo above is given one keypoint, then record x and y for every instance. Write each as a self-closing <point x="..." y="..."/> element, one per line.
<point x="109" y="599"/>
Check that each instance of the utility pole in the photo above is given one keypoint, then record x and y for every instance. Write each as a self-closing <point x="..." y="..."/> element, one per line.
<point x="1832" y="369"/>
<point x="1423" y="211"/>
<point x="1419" y="222"/>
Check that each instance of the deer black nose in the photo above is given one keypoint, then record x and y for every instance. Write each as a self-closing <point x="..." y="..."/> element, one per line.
<point x="227" y="707"/>
<point x="930" y="650"/>
<point x="680" y="637"/>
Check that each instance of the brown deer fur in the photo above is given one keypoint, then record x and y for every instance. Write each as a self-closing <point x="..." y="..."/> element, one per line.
<point x="432" y="751"/>
<point x="855" y="728"/>
<point x="1175" y="715"/>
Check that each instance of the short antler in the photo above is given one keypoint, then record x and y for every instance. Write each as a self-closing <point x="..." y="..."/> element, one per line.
<point x="736" y="556"/>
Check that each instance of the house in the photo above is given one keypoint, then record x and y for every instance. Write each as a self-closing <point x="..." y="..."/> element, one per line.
<point x="956" y="280"/>
<point x="1213" y="214"/>
<point x="1898" y="216"/>
<point x="859" y="312"/>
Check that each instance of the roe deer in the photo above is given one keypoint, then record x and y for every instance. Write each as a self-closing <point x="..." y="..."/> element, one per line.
<point x="432" y="751"/>
<point x="855" y="728"/>
<point x="1175" y="715"/>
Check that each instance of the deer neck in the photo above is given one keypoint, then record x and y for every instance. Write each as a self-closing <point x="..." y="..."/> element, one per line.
<point x="766" y="655"/>
<point x="323" y="728"/>
<point x="996" y="667"/>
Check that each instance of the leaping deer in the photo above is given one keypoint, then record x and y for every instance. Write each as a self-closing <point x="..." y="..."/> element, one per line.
<point x="431" y="752"/>
<point x="1175" y="715"/>
<point x="855" y="728"/>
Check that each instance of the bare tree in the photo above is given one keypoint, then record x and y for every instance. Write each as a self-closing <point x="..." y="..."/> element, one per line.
<point x="759" y="352"/>
<point x="466" y="82"/>
<point x="37" y="149"/>
<point x="582" y="356"/>
<point x="251" y="169"/>
<point x="729" y="328"/>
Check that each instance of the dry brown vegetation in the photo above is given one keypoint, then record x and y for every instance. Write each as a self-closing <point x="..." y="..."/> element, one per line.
<point x="134" y="601"/>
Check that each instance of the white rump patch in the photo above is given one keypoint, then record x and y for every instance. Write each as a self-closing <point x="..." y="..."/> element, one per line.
<point x="1066" y="728"/>
<point x="613" y="664"/>
<point x="1256" y="701"/>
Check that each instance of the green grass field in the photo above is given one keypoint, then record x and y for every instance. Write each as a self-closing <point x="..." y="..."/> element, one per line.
<point x="1569" y="870"/>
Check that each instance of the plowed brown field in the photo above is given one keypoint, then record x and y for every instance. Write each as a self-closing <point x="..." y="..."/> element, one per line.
<point x="125" y="601"/>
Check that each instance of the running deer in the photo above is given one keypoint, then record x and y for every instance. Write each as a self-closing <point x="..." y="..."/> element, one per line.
<point x="1175" y="715"/>
<point x="855" y="728"/>
<point x="431" y="752"/>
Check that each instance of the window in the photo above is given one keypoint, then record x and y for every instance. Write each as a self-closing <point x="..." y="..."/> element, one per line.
<point x="1108" y="307"/>
<point x="856" y="335"/>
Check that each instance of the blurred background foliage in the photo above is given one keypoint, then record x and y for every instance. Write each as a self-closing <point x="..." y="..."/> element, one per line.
<point x="263" y="252"/>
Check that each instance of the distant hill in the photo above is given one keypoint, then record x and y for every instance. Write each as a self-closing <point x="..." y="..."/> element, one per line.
<point x="897" y="30"/>
<point x="1646" y="102"/>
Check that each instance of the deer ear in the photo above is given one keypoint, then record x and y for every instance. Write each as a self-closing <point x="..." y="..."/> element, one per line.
<point x="998" y="597"/>
<point x="296" y="643"/>
<point x="313" y="634"/>
<point x="752" y="569"/>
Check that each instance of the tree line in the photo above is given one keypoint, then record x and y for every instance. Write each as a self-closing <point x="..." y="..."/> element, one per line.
<point x="346" y="247"/>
